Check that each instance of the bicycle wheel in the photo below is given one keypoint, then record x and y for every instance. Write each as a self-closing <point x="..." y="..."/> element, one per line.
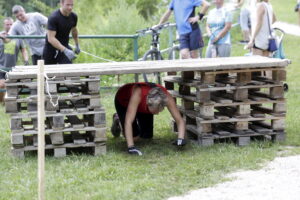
<point x="152" y="55"/>
<point x="174" y="53"/>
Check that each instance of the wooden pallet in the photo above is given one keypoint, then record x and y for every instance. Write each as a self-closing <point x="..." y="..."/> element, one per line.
<point x="240" y="139"/>
<point x="80" y="136"/>
<point x="62" y="150"/>
<point x="59" y="121"/>
<point x="75" y="102"/>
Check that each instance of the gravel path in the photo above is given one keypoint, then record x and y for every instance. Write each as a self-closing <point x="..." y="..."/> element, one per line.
<point x="279" y="180"/>
<point x="291" y="29"/>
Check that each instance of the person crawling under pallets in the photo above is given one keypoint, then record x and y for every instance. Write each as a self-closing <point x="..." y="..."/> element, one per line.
<point x="136" y="104"/>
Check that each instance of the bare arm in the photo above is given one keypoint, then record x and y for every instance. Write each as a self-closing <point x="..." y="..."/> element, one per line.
<point x="171" y="105"/>
<point x="53" y="41"/>
<point x="239" y="3"/>
<point x="134" y="101"/>
<point x="259" y="18"/>
<point x="208" y="31"/>
<point x="204" y="7"/>
<point x="165" y="17"/>
<point x="75" y="35"/>
<point x="203" y="10"/>
<point x="226" y="28"/>
<point x="274" y="18"/>
<point x="24" y="54"/>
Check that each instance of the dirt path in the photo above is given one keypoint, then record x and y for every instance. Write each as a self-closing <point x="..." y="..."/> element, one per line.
<point x="290" y="29"/>
<point x="279" y="180"/>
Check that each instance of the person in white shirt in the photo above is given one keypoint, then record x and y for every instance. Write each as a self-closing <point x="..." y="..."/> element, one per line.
<point x="30" y="24"/>
<point x="218" y="27"/>
<point x="246" y="15"/>
<point x="265" y="17"/>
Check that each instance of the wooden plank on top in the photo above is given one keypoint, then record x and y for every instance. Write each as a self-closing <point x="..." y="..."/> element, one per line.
<point x="151" y="67"/>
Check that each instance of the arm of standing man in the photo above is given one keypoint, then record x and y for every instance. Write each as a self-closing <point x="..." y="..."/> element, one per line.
<point x="56" y="44"/>
<point x="165" y="17"/>
<point x="74" y="32"/>
<point x="204" y="7"/>
<point x="24" y="55"/>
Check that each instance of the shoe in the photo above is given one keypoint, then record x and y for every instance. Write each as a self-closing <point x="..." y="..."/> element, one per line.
<point x="116" y="126"/>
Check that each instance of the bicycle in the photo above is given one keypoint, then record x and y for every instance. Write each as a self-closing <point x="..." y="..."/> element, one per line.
<point x="154" y="52"/>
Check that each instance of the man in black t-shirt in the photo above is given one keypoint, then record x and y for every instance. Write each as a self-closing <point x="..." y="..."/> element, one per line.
<point x="60" y="23"/>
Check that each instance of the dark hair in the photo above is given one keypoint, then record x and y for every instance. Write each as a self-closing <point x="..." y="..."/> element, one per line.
<point x="17" y="8"/>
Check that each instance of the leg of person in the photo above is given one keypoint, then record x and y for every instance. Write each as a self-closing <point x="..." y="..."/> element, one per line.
<point x="259" y="52"/>
<point x="118" y="119"/>
<point x="145" y="125"/>
<point x="209" y="51"/>
<point x="2" y="85"/>
<point x="35" y="58"/>
<point x="244" y="23"/>
<point x="184" y="46"/>
<point x="299" y="16"/>
<point x="195" y="43"/>
<point x="224" y="50"/>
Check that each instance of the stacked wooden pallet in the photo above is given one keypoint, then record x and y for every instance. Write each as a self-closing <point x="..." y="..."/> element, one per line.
<point x="77" y="121"/>
<point x="237" y="104"/>
<point x="221" y="98"/>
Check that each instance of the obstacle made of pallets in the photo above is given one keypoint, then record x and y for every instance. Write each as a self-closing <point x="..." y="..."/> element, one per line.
<point x="220" y="97"/>
<point x="74" y="116"/>
<point x="234" y="103"/>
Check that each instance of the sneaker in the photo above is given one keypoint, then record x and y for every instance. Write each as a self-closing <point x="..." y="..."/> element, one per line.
<point x="116" y="126"/>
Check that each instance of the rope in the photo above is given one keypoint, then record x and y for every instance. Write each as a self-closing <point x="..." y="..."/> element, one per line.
<point x="87" y="53"/>
<point x="48" y="92"/>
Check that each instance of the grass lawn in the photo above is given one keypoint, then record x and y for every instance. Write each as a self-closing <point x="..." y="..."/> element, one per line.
<point x="162" y="172"/>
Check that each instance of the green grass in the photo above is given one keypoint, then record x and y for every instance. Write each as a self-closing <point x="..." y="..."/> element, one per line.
<point x="162" y="172"/>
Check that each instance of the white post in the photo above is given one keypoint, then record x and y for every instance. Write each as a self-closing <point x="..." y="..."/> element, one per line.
<point x="41" y="131"/>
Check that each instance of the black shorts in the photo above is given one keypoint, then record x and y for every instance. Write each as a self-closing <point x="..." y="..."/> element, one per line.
<point x="142" y="125"/>
<point x="53" y="56"/>
<point x="2" y="75"/>
<point x="192" y="40"/>
<point x="254" y="46"/>
<point x="35" y="58"/>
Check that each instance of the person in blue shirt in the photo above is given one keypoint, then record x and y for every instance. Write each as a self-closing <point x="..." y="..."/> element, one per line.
<point x="218" y="25"/>
<point x="190" y="37"/>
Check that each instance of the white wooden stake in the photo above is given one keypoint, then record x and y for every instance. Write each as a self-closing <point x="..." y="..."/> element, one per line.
<point x="41" y="131"/>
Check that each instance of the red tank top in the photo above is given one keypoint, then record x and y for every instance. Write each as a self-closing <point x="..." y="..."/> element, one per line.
<point x="124" y="93"/>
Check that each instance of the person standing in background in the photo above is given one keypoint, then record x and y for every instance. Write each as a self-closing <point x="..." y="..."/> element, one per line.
<point x="265" y="17"/>
<point x="246" y="15"/>
<point x="30" y="24"/>
<point x="190" y="37"/>
<point x="9" y="52"/>
<point x="61" y="23"/>
<point x="218" y="27"/>
<point x="297" y="9"/>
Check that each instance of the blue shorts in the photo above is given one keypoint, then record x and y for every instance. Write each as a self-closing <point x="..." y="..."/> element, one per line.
<point x="192" y="40"/>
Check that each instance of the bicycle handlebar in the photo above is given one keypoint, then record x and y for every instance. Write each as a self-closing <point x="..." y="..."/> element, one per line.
<point x="153" y="30"/>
